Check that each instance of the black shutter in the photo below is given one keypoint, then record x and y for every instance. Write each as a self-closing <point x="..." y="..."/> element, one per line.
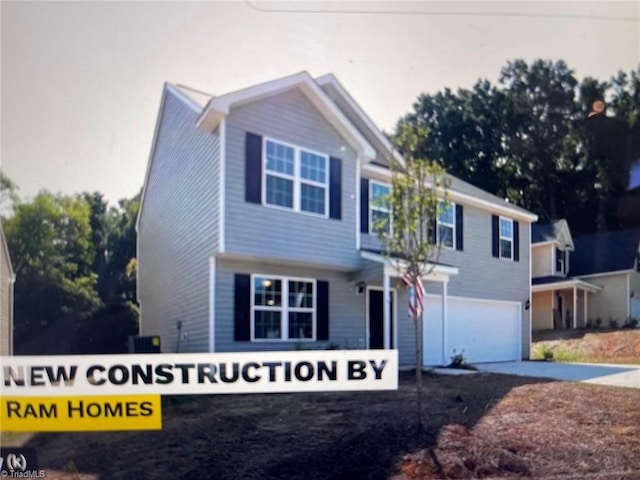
<point x="431" y="231"/>
<point x="242" y="308"/>
<point x="495" y="236"/>
<point x="459" y="227"/>
<point x="253" y="168"/>
<point x="335" y="188"/>
<point x="516" y="241"/>
<point x="322" y="311"/>
<point x="364" y="205"/>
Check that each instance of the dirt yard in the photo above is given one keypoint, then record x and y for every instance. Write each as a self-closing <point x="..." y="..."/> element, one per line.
<point x="478" y="425"/>
<point x="618" y="346"/>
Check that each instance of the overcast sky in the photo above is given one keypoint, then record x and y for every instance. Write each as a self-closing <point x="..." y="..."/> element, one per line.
<point x="81" y="81"/>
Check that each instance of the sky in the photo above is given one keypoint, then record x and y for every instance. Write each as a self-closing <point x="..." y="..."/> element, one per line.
<point x="81" y="82"/>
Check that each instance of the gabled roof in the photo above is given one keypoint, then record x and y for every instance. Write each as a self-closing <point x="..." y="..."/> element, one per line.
<point x="551" y="232"/>
<point x="219" y="107"/>
<point x="605" y="252"/>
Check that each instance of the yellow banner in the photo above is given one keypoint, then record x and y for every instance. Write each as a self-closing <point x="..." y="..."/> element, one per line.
<point x="79" y="414"/>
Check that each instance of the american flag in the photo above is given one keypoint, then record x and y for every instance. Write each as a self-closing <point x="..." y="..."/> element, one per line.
<point x="416" y="293"/>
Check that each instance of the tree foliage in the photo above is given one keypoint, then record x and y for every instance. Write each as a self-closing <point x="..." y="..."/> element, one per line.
<point x="70" y="255"/>
<point x="526" y="139"/>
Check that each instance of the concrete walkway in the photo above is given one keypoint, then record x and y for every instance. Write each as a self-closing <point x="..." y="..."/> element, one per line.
<point x="613" y="375"/>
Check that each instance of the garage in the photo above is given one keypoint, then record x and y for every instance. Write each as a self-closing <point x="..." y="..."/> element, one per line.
<point x="482" y="330"/>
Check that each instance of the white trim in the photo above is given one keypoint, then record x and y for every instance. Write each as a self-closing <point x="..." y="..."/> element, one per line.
<point x="445" y="318"/>
<point x="605" y="274"/>
<point x="284" y="309"/>
<point x="197" y="109"/>
<point x="476" y="299"/>
<point x="222" y="142"/>
<point x="544" y="244"/>
<point x="219" y="107"/>
<point x="386" y="312"/>
<point x="569" y="283"/>
<point x="553" y="265"/>
<point x="501" y="237"/>
<point x="333" y="81"/>
<point x="280" y="261"/>
<point x="152" y="153"/>
<point x="628" y="296"/>
<point x="575" y="307"/>
<point x="394" y="291"/>
<point x="463" y="198"/>
<point x="439" y="273"/>
<point x="357" y="200"/>
<point x="212" y="304"/>
<point x="530" y="311"/>
<point x="454" y="234"/>
<point x="378" y="208"/>
<point x="295" y="178"/>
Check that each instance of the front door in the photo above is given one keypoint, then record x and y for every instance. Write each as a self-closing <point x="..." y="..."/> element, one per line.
<point x="376" y="320"/>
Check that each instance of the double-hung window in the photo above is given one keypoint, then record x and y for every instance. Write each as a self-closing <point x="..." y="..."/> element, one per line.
<point x="295" y="178"/>
<point x="379" y="210"/>
<point x="283" y="308"/>
<point x="446" y="225"/>
<point x="506" y="238"/>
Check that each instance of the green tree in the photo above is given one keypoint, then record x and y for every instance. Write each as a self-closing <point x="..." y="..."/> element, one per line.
<point x="417" y="195"/>
<point x="50" y="242"/>
<point x="8" y="195"/>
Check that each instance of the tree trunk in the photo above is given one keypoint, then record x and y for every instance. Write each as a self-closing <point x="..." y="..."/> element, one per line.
<point x="418" y="331"/>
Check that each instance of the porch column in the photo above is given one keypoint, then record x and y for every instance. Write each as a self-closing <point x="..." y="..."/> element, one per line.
<point x="575" y="307"/>
<point x="586" y="316"/>
<point x="444" y="323"/>
<point x="386" y="310"/>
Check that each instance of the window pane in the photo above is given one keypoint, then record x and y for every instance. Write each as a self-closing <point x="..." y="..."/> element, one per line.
<point x="446" y="216"/>
<point x="279" y="158"/>
<point x="380" y="221"/>
<point x="267" y="324"/>
<point x="267" y="292"/>
<point x="301" y="294"/>
<point x="505" y="228"/>
<point x="313" y="167"/>
<point x="312" y="199"/>
<point x="445" y="235"/>
<point x="279" y="191"/>
<point x="505" y="248"/>
<point x="378" y="194"/>
<point x="300" y="325"/>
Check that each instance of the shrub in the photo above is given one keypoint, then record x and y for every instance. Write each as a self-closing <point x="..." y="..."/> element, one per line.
<point x="589" y="324"/>
<point x="613" y="323"/>
<point x="630" y="323"/>
<point x="459" y="361"/>
<point x="563" y="355"/>
<point x="598" y="322"/>
<point x="542" y="351"/>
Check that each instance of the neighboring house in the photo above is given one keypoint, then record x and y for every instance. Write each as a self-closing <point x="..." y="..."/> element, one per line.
<point x="255" y="233"/>
<point x="586" y="278"/>
<point x="7" y="280"/>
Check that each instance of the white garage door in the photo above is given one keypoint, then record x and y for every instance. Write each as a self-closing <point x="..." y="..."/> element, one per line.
<point x="483" y="331"/>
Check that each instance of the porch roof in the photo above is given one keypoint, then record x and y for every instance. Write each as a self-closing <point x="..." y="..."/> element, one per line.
<point x="437" y="272"/>
<point x="545" y="284"/>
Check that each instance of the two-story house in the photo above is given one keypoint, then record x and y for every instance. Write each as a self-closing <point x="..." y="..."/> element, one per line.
<point x="255" y="233"/>
<point x="577" y="281"/>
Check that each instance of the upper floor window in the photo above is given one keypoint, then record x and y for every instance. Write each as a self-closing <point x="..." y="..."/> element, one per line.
<point x="283" y="308"/>
<point x="295" y="178"/>
<point x="506" y="238"/>
<point x="561" y="261"/>
<point x="446" y="224"/>
<point x="379" y="211"/>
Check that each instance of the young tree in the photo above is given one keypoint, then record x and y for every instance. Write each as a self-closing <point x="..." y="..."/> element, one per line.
<point x="418" y="195"/>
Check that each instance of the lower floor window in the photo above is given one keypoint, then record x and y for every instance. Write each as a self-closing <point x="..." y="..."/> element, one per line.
<point x="283" y="308"/>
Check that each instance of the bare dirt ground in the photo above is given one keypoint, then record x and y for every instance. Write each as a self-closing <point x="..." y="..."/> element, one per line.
<point x="617" y="346"/>
<point x="475" y="426"/>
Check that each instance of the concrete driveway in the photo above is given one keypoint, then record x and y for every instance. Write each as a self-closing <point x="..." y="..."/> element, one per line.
<point x="613" y="375"/>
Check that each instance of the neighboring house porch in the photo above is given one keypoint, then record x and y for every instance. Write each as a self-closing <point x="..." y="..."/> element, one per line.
<point x="559" y="302"/>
